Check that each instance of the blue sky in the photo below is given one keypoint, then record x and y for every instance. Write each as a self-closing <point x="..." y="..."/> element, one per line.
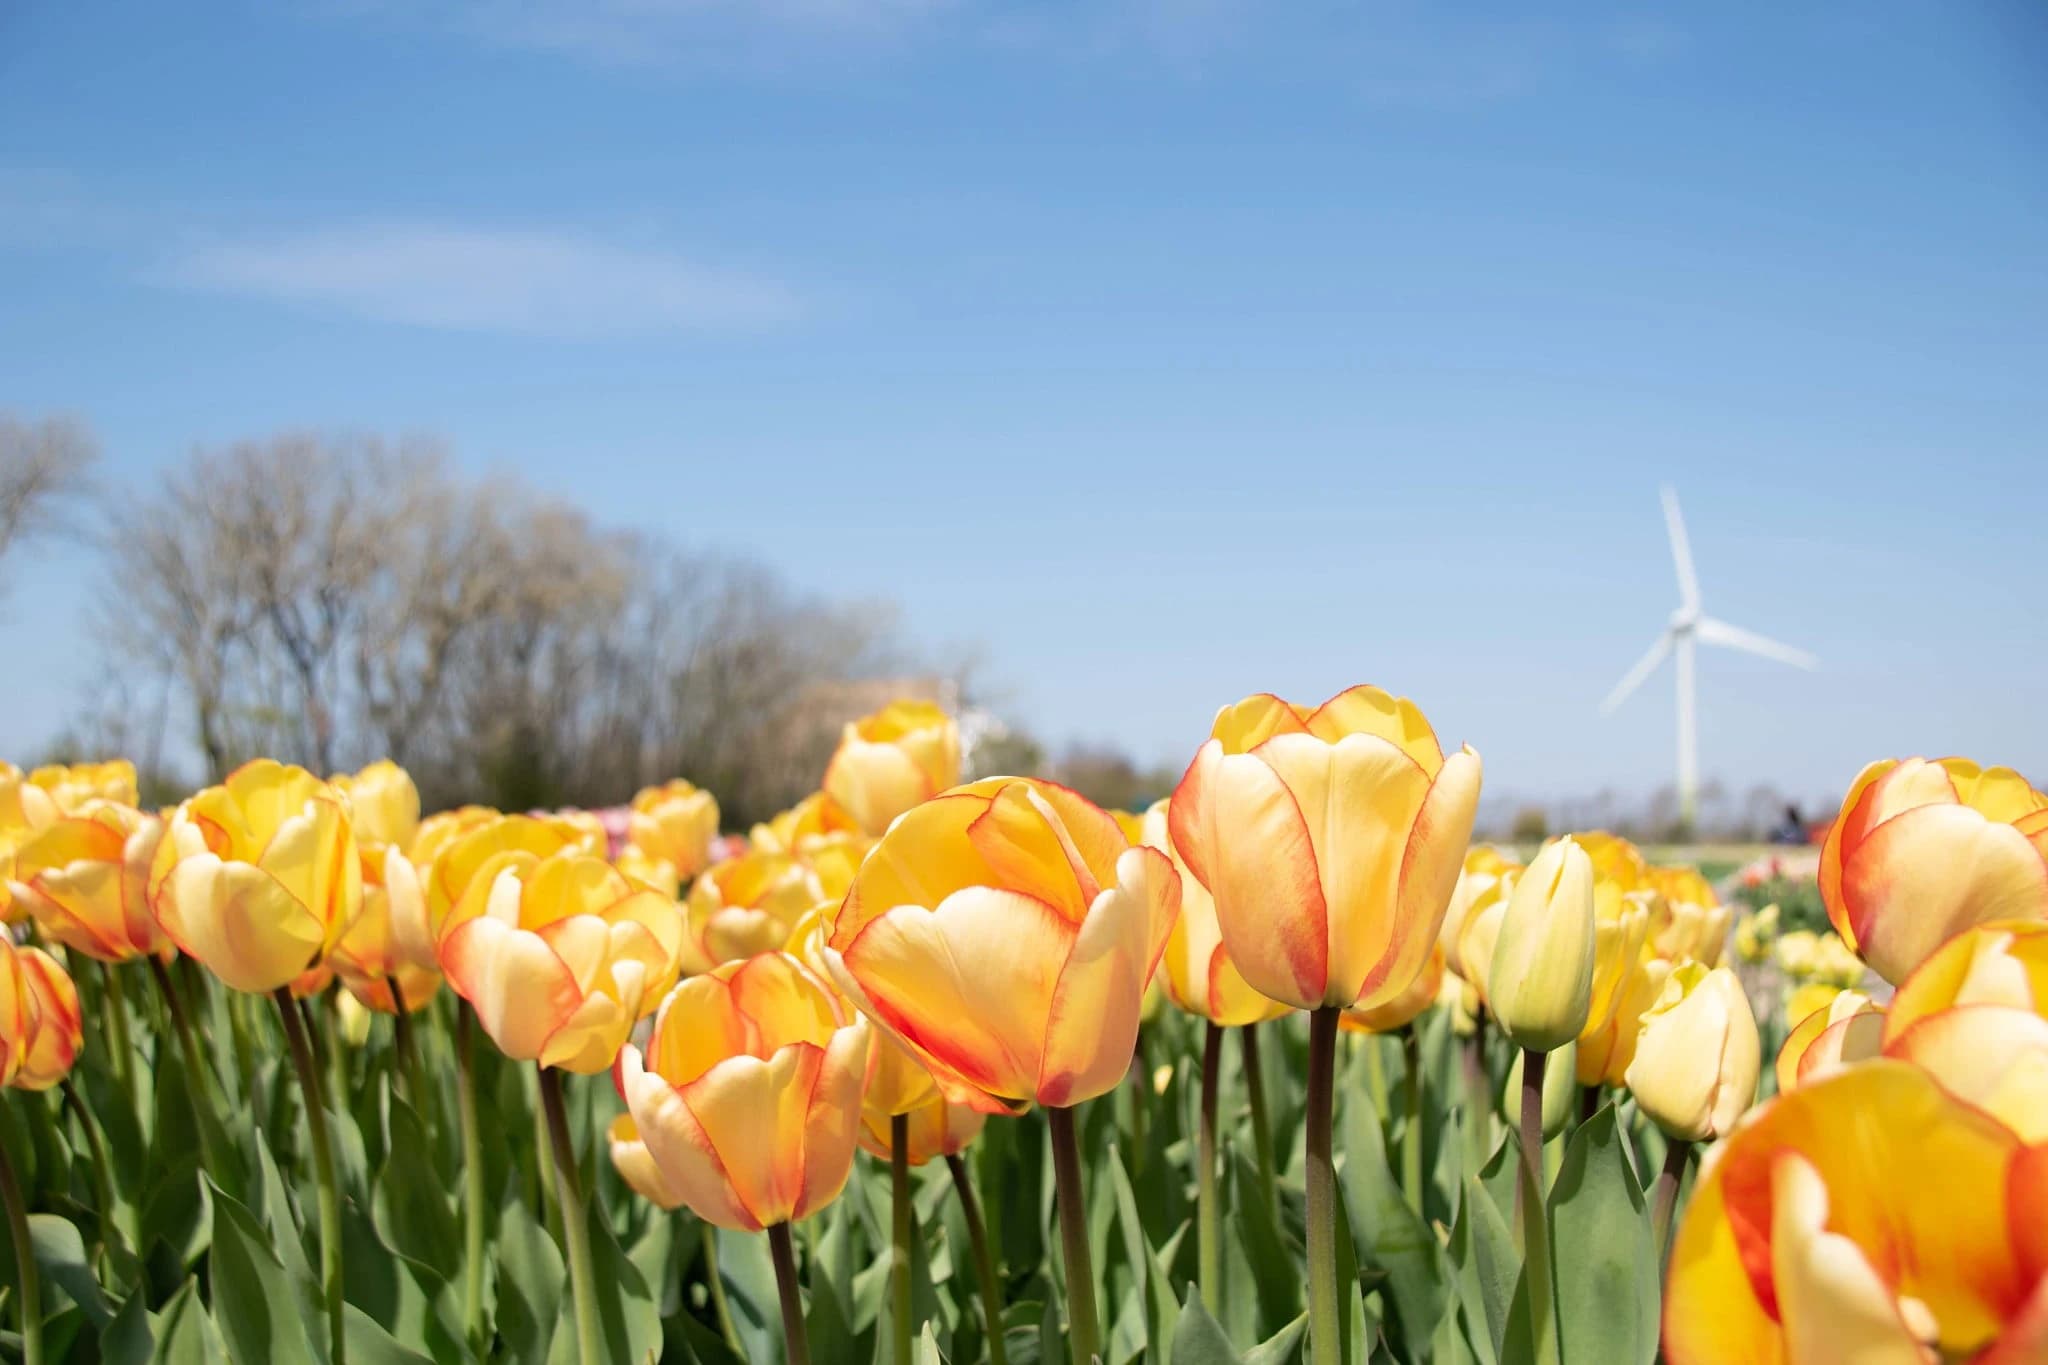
<point x="1165" y="350"/>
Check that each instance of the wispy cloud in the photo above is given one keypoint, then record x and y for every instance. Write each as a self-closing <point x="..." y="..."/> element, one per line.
<point x="486" y="280"/>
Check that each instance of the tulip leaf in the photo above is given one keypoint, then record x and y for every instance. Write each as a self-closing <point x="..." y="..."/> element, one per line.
<point x="1198" y="1340"/>
<point x="370" y="1344"/>
<point x="1494" y="1265"/>
<point x="185" y="1334"/>
<point x="1281" y="1347"/>
<point x="412" y="1200"/>
<point x="60" y="1256"/>
<point x="1274" y="1268"/>
<point x="530" y="1285"/>
<point x="1606" y="1297"/>
<point x="253" y="1296"/>
<point x="833" y="1340"/>
<point x="1388" y="1234"/>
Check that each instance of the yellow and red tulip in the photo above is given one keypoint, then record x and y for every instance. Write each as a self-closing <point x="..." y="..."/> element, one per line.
<point x="2001" y="963"/>
<point x="746" y="905"/>
<point x="1405" y="1008"/>
<point x="85" y="879"/>
<point x="453" y="850"/>
<point x="815" y="815"/>
<point x="1196" y="967"/>
<point x="675" y="822"/>
<point x="1848" y="1028"/>
<point x="1923" y="850"/>
<point x="58" y="1030"/>
<point x="907" y="752"/>
<point x="936" y="1128"/>
<point x="367" y="959"/>
<point x="1330" y="839"/>
<point x="1992" y="1056"/>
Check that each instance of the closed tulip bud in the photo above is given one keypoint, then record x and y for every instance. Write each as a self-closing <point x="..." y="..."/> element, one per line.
<point x="1846" y="1028"/>
<point x="1404" y="1008"/>
<point x="1560" y="1090"/>
<point x="1922" y="851"/>
<point x="815" y="815"/>
<point x="258" y="878"/>
<point x="1330" y="839"/>
<point x="1697" y="1060"/>
<point x="1540" y="986"/>
<point x="384" y="806"/>
<point x="85" y="879"/>
<point x="558" y="956"/>
<point x="1005" y="933"/>
<point x="354" y="1017"/>
<point x="1199" y="975"/>
<point x="1865" y="1217"/>
<point x="675" y="822"/>
<point x="1604" y="1053"/>
<point x="907" y="752"/>
<point x="746" y="905"/>
<point x="58" y="1028"/>
<point x="746" y="1102"/>
<point x="936" y="1128"/>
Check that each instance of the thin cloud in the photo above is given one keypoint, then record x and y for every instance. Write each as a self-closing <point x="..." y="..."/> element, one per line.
<point x="486" y="280"/>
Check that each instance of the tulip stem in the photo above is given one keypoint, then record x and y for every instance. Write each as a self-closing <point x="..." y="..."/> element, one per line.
<point x="1411" y="1137"/>
<point x="575" y="1221"/>
<point x="721" y="1308"/>
<point x="1325" y="1312"/>
<point x="1083" y="1340"/>
<point x="408" y="1052"/>
<point x="116" y="1005"/>
<point x="1531" y="1213"/>
<point x="1676" y="1152"/>
<point x="796" y="1342"/>
<point x="102" y="1177"/>
<point x="472" y="1179"/>
<point x="899" y="1253"/>
<point x="1589" y="1102"/>
<point x="24" y="1263"/>
<point x="312" y="1093"/>
<point x="1208" y="1222"/>
<point x="984" y="1264"/>
<point x="199" y="1080"/>
<point x="1262" y="1123"/>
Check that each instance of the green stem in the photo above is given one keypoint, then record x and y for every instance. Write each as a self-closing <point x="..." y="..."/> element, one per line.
<point x="1083" y="1337"/>
<point x="24" y="1263"/>
<point x="199" y="1079"/>
<point x="721" y="1308"/>
<point x="102" y="1174"/>
<point x="1478" y="1109"/>
<point x="575" y="1221"/>
<point x="1140" y="1078"/>
<point x="1262" y="1123"/>
<point x="1532" y="1215"/>
<point x="1325" y="1309"/>
<point x="245" y="1051"/>
<point x="472" y="1180"/>
<point x="1411" y="1137"/>
<point x="796" y="1342"/>
<point x="408" y="1052"/>
<point x="116" y="1004"/>
<point x="323" y="1167"/>
<point x="984" y="1264"/>
<point x="1208" y="1223"/>
<point x="1676" y="1151"/>
<point x="551" y="1206"/>
<point x="899" y="1252"/>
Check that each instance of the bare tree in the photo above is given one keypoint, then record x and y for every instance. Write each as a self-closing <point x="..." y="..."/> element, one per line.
<point x="42" y="466"/>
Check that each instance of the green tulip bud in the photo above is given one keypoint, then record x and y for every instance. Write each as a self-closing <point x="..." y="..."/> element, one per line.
<point x="1540" y="985"/>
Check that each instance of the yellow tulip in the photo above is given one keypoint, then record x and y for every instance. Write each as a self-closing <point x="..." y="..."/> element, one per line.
<point x="937" y="1128"/>
<point x="1403" y="1009"/>
<point x="367" y="959"/>
<point x="1698" y="1056"/>
<point x="71" y="786"/>
<point x="1992" y="1056"/>
<point x="1687" y="920"/>
<point x="658" y="873"/>
<point x="257" y="878"/>
<point x="1755" y="934"/>
<point x="1836" y="963"/>
<point x="1848" y="1028"/>
<point x="450" y="856"/>
<point x="746" y="1103"/>
<point x="1540" y="985"/>
<point x="1922" y="851"/>
<point x="58" y="1031"/>
<point x="384" y="806"/>
<point x="558" y="955"/>
<point x="24" y="806"/>
<point x="1604" y="1053"/>
<point x="897" y="1082"/>
<point x="817" y="814"/>
<point x="746" y="905"/>
<point x="907" y="752"/>
<point x="1331" y="840"/>
<point x="1486" y="880"/>
<point x="1796" y="953"/>
<point x="2001" y="963"/>
<point x="441" y="829"/>
<point x="1198" y="974"/>
<point x="1867" y="1217"/>
<point x="835" y="859"/>
<point x="1005" y="933"/>
<point x="676" y="823"/>
<point x="1481" y="935"/>
<point x="85" y="879"/>
<point x="1807" y="997"/>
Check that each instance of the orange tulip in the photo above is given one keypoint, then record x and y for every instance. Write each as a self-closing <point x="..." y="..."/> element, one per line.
<point x="85" y="880"/>
<point x="1198" y="973"/>
<point x="58" y="1031"/>
<point x="1849" y="1028"/>
<point x="937" y="1128"/>
<point x="907" y="752"/>
<point x="1404" y="1008"/>
<point x="2001" y="963"/>
<point x="1331" y="840"/>
<point x="1005" y="932"/>
<point x="558" y="955"/>
<point x="1867" y="1216"/>
<point x="258" y="877"/>
<point x="746" y="905"/>
<point x="675" y="822"/>
<point x="1923" y="850"/>
<point x="746" y="1102"/>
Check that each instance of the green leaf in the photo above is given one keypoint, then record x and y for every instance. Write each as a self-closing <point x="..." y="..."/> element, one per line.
<point x="1280" y="1348"/>
<point x="253" y="1297"/>
<point x="530" y="1285"/>
<point x="414" y="1210"/>
<point x="1388" y="1234"/>
<point x="185" y="1335"/>
<point x="1604" y="1263"/>
<point x="370" y="1344"/>
<point x="60" y="1255"/>
<point x="1274" y="1267"/>
<point x="1496" y="1263"/>
<point x="129" y="1338"/>
<point x="1197" y="1339"/>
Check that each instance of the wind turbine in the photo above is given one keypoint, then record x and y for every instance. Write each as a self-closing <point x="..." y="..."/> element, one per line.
<point x="1689" y="626"/>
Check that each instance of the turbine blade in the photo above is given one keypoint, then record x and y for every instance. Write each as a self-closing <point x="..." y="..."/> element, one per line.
<point x="1681" y="550"/>
<point x="1636" y="676"/>
<point x="1749" y="642"/>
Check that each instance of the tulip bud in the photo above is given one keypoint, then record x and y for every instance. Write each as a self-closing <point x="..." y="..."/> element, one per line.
<point x="58" y="1031"/>
<point x="1560" y="1090"/>
<point x="1540" y="986"/>
<point x="1697" y="1060"/>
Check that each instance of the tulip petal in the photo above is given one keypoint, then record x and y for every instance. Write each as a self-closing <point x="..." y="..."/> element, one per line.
<point x="678" y="1145"/>
<point x="1260" y="861"/>
<point x="521" y="991"/>
<point x="1092" y="1027"/>
<point x="832" y="1121"/>
<point x="930" y="858"/>
<point x="1429" y="874"/>
<point x="240" y="921"/>
<point x="1991" y="1056"/>
<point x="1832" y="1304"/>
<point x="1948" y="868"/>
<point x="754" y="1112"/>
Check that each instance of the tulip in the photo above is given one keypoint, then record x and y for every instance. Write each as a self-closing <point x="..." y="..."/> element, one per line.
<point x="1992" y="1056"/>
<point x="20" y="1020"/>
<point x="1923" y="850"/>
<point x="1687" y="920"/>
<point x="85" y="880"/>
<point x="1696" y="1062"/>
<point x="24" y="805"/>
<point x="2002" y="963"/>
<point x="1481" y="935"/>
<point x="1199" y="975"/>
<point x="71" y="786"/>
<point x="675" y="822"/>
<point x="1866" y="1216"/>
<point x="258" y="877"/>
<point x="816" y="814"/>
<point x="907" y="752"/>
<point x="437" y="832"/>
<point x="452" y="852"/>
<point x="658" y="873"/>
<point x="937" y="1128"/>
<point x="1403" y="1009"/>
<point x="1540" y="984"/>
<point x="1754" y="934"/>
<point x="1485" y="882"/>
<point x="367" y="959"/>
<point x="384" y="806"/>
<point x="52" y="1041"/>
<point x="557" y="955"/>
<point x="746" y="905"/>
<point x="1604" y="1054"/>
<point x="1847" y="1029"/>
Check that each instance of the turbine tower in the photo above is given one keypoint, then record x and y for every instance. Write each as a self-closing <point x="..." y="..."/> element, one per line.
<point x="1688" y="628"/>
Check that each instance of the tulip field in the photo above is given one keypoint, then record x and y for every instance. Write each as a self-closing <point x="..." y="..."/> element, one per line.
<point x="1285" y="1068"/>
